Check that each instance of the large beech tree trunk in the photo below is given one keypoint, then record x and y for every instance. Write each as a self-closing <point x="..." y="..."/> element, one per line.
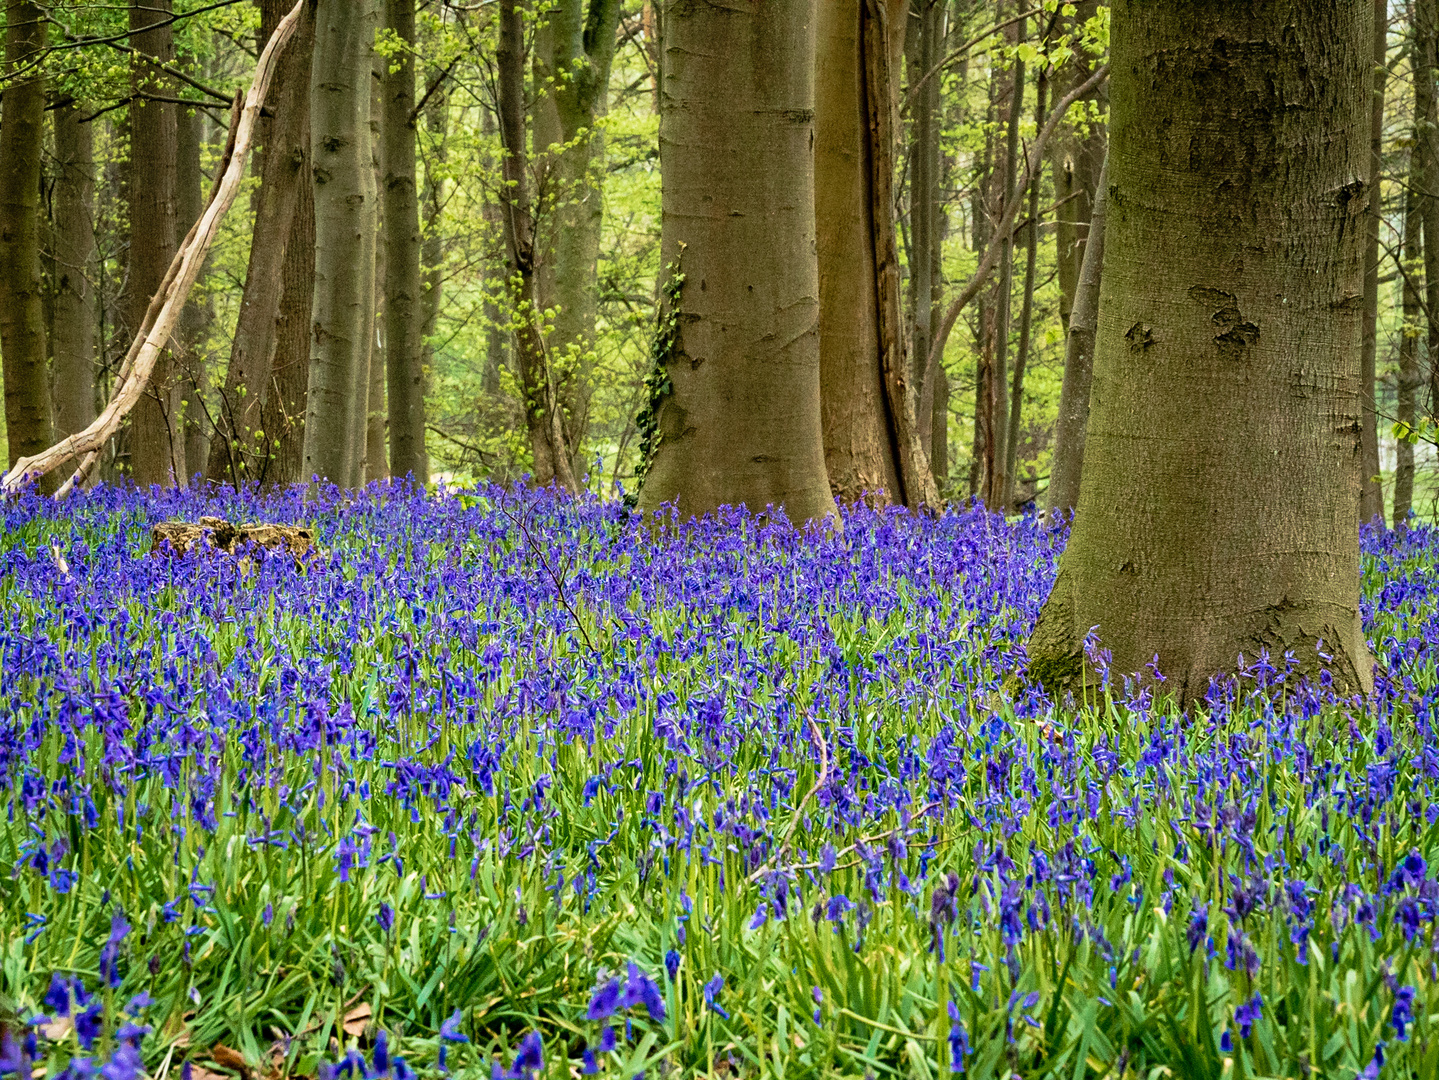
<point x="738" y="412"/>
<point x="343" y="312"/>
<point x="377" y="451"/>
<point x="29" y="423"/>
<point x="73" y="342"/>
<point x="283" y="414"/>
<point x="1220" y="491"/>
<point x="1371" y="500"/>
<point x="243" y="440"/>
<point x="404" y="310"/>
<point x="157" y="433"/>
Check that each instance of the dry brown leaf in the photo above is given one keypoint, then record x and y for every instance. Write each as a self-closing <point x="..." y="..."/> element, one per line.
<point x="57" y="1029"/>
<point x="229" y="1059"/>
<point x="199" y="1072"/>
<point x="356" y="1019"/>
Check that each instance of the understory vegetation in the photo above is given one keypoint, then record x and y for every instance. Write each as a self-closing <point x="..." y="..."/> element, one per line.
<point x="498" y="780"/>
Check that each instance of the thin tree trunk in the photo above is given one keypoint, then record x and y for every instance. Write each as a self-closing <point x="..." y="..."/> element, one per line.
<point x="1426" y="107"/>
<point x="437" y="126"/>
<point x="199" y="313"/>
<point x="1076" y="155"/>
<point x="496" y="340"/>
<point x="377" y="457"/>
<point x="1371" y="502"/>
<point x="29" y="423"/>
<point x="1409" y="378"/>
<point x="73" y="342"/>
<point x="344" y="262"/>
<point x="244" y="440"/>
<point x="1026" y="314"/>
<point x="404" y="304"/>
<point x="157" y="438"/>
<point x="860" y="443"/>
<point x="984" y="347"/>
<point x="737" y="417"/>
<point x="542" y="406"/>
<point x="1072" y="422"/>
<point x="283" y="413"/>
<point x="576" y="47"/>
<point x="998" y="485"/>
<point x="1220" y="489"/>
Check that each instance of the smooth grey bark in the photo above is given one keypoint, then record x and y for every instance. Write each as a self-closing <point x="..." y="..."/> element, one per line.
<point x="343" y="310"/>
<point x="544" y="422"/>
<point x="29" y="422"/>
<point x="575" y="48"/>
<point x="1409" y="380"/>
<point x="1026" y="315"/>
<point x="1371" y="502"/>
<point x="738" y="420"/>
<point x="157" y="438"/>
<point x="404" y="295"/>
<point x="999" y="480"/>
<point x="243" y="440"/>
<point x="199" y="312"/>
<point x="1076" y="155"/>
<point x="283" y="413"/>
<point x="1073" y="419"/>
<point x="73" y="342"/>
<point x="1231" y="302"/>
<point x="377" y="456"/>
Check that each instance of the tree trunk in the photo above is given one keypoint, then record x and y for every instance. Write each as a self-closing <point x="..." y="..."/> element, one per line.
<point x="543" y="421"/>
<point x="578" y="38"/>
<point x="73" y="342"/>
<point x="1232" y="301"/>
<point x="199" y="312"/>
<point x="496" y="339"/>
<point x="1371" y="502"/>
<point x="29" y="423"/>
<point x="377" y="456"/>
<point x="1409" y="379"/>
<point x="283" y="413"/>
<point x="344" y="292"/>
<point x="1426" y="107"/>
<point x="157" y="436"/>
<point x="437" y="126"/>
<point x="1076" y="156"/>
<point x="737" y="416"/>
<point x="860" y="445"/>
<point x="404" y="305"/>
<point x="1073" y="420"/>
<point x="1026" y="315"/>
<point x="998" y="485"/>
<point x="244" y="441"/>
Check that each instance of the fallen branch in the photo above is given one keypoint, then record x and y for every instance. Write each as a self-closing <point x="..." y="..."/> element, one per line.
<point x="165" y="308"/>
<point x="1006" y="224"/>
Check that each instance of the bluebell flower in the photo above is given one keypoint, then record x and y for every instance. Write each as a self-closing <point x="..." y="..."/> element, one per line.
<point x="711" y="992"/>
<point x="605" y="1002"/>
<point x="1403" y="1014"/>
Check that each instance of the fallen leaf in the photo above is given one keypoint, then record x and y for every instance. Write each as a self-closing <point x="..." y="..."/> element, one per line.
<point x="57" y="1029"/>
<point x="356" y="1019"/>
<point x="230" y="1059"/>
<point x="199" y="1072"/>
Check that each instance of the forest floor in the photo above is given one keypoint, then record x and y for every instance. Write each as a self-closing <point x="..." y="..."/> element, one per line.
<point x="499" y="782"/>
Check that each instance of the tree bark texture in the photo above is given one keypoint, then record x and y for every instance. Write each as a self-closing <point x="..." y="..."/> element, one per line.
<point x="243" y="442"/>
<point x="73" y="342"/>
<point x="575" y="48"/>
<point x="404" y="307"/>
<point x="1371" y="502"/>
<point x="344" y="296"/>
<point x="283" y="413"/>
<point x="1076" y="156"/>
<point x="1409" y="379"/>
<point x="738" y="413"/>
<point x="199" y="313"/>
<point x="157" y="434"/>
<point x="1073" y="419"/>
<point x="1220" y="489"/>
<point x="29" y="423"/>
<point x="543" y="420"/>
<point x="1026" y="316"/>
<point x="1426" y="107"/>
<point x="377" y="451"/>
<point x="860" y="442"/>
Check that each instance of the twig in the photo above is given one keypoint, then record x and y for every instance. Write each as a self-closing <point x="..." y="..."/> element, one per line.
<point x="559" y="584"/>
<point x="768" y="867"/>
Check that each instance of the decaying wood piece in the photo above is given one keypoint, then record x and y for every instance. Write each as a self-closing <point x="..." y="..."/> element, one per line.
<point x="169" y="302"/>
<point x="173" y="538"/>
